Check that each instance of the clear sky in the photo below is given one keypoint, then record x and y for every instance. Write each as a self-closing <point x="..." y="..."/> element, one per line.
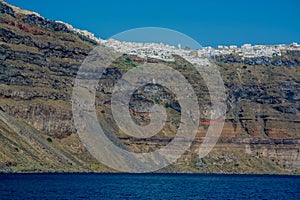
<point x="208" y="22"/>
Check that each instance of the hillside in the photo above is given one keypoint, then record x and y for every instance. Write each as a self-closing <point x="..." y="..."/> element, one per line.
<point x="39" y="60"/>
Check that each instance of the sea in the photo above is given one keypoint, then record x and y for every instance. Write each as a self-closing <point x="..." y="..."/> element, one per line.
<point x="148" y="186"/>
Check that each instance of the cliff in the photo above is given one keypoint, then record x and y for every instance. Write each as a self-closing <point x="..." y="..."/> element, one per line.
<point x="39" y="60"/>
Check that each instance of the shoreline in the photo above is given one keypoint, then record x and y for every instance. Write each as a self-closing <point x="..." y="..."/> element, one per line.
<point x="128" y="173"/>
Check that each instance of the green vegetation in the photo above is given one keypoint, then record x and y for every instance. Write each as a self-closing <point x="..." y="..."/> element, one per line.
<point x="203" y="161"/>
<point x="158" y="101"/>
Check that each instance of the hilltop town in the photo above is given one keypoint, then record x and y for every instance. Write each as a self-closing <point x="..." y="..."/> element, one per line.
<point x="164" y="51"/>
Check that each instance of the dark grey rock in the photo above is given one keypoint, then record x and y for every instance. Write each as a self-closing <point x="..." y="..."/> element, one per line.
<point x="4" y="9"/>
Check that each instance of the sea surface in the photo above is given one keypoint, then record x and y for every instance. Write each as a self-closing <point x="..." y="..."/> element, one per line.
<point x="148" y="186"/>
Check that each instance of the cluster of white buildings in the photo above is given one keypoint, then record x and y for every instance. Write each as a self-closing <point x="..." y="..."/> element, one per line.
<point x="165" y="52"/>
<point x="249" y="51"/>
<point x="151" y="50"/>
<point x="155" y="50"/>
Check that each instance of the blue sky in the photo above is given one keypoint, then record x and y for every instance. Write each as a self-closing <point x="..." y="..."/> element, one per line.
<point x="208" y="22"/>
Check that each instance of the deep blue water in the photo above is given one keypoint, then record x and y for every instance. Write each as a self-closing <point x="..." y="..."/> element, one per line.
<point x="148" y="186"/>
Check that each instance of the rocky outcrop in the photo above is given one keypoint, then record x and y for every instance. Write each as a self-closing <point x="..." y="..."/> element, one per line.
<point x="4" y="9"/>
<point x="49" y="117"/>
<point x="288" y="59"/>
<point x="36" y="20"/>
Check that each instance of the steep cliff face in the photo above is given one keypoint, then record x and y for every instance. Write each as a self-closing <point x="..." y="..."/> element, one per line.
<point x="39" y="60"/>
<point x="24" y="149"/>
<point x="264" y="100"/>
